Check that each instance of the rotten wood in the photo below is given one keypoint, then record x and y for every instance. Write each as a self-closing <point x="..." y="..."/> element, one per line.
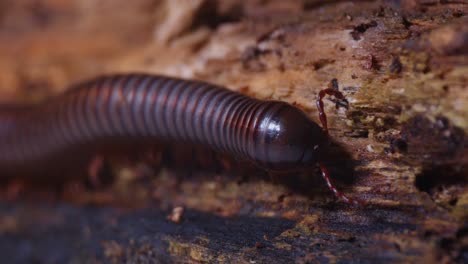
<point x="400" y="144"/>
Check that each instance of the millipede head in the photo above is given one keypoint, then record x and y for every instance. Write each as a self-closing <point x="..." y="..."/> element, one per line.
<point x="289" y="140"/>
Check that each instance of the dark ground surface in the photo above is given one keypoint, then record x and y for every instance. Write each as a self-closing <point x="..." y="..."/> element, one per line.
<point x="64" y="234"/>
<point x="401" y="144"/>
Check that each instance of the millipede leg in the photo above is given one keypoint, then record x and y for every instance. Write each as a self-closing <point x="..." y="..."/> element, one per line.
<point x="323" y="120"/>
<point x="322" y="115"/>
<point x="14" y="190"/>
<point x="99" y="171"/>
<point x="332" y="187"/>
<point x="95" y="168"/>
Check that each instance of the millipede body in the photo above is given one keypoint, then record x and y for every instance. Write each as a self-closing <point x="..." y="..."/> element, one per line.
<point x="128" y="108"/>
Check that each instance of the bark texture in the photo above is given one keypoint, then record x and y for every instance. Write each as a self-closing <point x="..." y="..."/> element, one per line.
<point x="401" y="143"/>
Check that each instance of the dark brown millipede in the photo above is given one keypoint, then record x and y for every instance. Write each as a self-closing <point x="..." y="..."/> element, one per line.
<point x="125" y="108"/>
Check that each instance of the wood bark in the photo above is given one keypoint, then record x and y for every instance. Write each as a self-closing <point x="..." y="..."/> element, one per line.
<point x="400" y="145"/>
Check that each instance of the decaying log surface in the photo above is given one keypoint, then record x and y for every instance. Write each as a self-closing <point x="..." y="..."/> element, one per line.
<point x="400" y="145"/>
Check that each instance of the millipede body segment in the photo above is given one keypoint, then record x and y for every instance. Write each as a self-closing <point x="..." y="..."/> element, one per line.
<point x="126" y="108"/>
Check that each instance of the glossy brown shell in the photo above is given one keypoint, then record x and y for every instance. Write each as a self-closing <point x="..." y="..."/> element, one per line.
<point x="120" y="109"/>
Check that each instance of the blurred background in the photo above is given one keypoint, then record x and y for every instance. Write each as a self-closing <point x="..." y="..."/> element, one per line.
<point x="401" y="145"/>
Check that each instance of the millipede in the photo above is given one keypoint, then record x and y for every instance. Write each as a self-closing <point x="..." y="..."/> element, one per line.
<point x="119" y="109"/>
